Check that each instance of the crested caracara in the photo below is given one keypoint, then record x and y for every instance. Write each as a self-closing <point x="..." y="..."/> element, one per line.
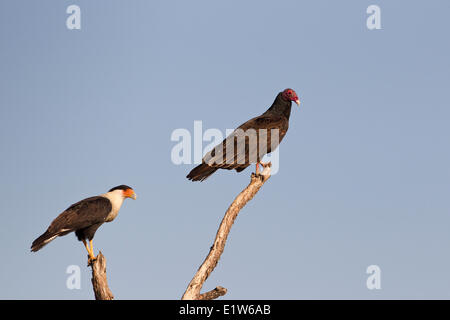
<point x="85" y="217"/>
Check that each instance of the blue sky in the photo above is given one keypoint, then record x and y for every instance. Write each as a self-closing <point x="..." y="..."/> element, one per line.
<point x="364" y="169"/>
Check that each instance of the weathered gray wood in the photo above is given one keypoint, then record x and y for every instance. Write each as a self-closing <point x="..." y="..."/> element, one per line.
<point x="193" y="290"/>
<point x="213" y="294"/>
<point x="99" y="281"/>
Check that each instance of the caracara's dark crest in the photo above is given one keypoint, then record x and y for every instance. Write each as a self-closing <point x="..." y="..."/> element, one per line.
<point x="121" y="187"/>
<point x="275" y="119"/>
<point x="85" y="217"/>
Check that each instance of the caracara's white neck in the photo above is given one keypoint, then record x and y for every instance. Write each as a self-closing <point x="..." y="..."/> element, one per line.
<point x="116" y="197"/>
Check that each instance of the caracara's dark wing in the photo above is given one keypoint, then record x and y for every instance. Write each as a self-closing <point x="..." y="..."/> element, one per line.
<point x="245" y="145"/>
<point x="83" y="214"/>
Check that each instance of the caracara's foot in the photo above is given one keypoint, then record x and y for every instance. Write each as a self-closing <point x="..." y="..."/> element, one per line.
<point x="91" y="260"/>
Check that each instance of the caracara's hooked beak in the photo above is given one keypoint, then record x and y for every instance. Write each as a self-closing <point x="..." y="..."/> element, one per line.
<point x="297" y="102"/>
<point x="129" y="193"/>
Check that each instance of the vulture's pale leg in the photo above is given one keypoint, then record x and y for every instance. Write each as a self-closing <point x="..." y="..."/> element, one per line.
<point x="265" y="164"/>
<point x="257" y="168"/>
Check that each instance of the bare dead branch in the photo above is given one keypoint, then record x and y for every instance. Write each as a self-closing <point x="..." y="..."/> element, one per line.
<point x="213" y="294"/>
<point x="196" y="284"/>
<point x="99" y="281"/>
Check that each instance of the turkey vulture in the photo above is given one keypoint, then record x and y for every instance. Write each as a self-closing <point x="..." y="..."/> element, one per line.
<point x="85" y="217"/>
<point x="250" y="141"/>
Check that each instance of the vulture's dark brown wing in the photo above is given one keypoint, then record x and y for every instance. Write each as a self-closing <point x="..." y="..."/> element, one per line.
<point x="80" y="215"/>
<point x="248" y="143"/>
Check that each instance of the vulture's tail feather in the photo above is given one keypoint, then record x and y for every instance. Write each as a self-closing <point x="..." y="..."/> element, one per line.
<point x="201" y="172"/>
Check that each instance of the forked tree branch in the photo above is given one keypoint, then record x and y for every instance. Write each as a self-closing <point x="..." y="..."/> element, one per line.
<point x="99" y="281"/>
<point x="213" y="294"/>
<point x="196" y="284"/>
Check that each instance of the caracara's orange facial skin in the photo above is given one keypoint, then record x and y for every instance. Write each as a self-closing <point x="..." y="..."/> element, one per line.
<point x="129" y="193"/>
